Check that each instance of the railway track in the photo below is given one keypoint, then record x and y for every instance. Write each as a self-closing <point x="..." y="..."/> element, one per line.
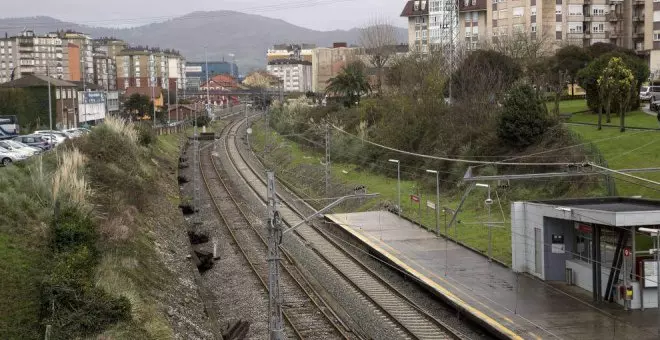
<point x="389" y="305"/>
<point x="305" y="313"/>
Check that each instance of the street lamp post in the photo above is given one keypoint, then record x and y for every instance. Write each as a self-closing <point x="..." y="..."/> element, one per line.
<point x="437" y="200"/>
<point x="398" y="184"/>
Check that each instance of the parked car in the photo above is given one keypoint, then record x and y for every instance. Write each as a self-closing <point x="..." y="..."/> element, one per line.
<point x="54" y="138"/>
<point x="23" y="145"/>
<point x="9" y="145"/>
<point x="654" y="105"/>
<point x="650" y="93"/>
<point x="38" y="141"/>
<point x="60" y="135"/>
<point x="7" y="157"/>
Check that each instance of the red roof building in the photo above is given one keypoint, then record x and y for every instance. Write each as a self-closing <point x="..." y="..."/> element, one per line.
<point x="220" y="82"/>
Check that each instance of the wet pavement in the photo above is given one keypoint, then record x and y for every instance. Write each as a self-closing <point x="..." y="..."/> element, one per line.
<point x="513" y="305"/>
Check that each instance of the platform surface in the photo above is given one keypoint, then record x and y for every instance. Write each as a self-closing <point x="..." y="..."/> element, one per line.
<point x="516" y="305"/>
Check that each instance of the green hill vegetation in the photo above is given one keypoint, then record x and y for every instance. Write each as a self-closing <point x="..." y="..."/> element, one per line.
<point x="79" y="234"/>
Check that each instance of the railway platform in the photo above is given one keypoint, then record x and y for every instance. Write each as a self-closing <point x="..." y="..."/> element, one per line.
<point x="511" y="305"/>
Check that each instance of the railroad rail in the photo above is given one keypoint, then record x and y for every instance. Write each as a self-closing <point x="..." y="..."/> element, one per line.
<point x="305" y="313"/>
<point x="389" y="304"/>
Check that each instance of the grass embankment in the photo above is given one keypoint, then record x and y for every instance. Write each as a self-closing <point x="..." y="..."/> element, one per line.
<point x="300" y="167"/>
<point x="78" y="234"/>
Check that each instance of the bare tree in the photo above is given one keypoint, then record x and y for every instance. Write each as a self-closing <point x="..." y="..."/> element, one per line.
<point x="379" y="41"/>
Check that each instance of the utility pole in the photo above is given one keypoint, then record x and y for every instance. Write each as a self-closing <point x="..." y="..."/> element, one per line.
<point x="275" y="322"/>
<point x="83" y="98"/>
<point x="50" y="100"/>
<point x="327" y="159"/>
<point x="208" y="82"/>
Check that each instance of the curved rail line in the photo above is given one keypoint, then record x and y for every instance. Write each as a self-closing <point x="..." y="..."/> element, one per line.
<point x="302" y="311"/>
<point x="389" y="304"/>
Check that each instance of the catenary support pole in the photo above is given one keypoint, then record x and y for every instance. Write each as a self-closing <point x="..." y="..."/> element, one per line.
<point x="275" y="321"/>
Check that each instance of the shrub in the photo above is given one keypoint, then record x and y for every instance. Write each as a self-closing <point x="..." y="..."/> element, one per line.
<point x="71" y="229"/>
<point x="146" y="134"/>
<point x="202" y="121"/>
<point x="524" y="119"/>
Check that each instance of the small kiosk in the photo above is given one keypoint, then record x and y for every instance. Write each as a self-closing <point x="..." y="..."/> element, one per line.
<point x="593" y="243"/>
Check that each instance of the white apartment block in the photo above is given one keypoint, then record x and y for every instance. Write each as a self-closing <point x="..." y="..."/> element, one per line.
<point x="295" y="74"/>
<point x="28" y="53"/>
<point x="633" y="24"/>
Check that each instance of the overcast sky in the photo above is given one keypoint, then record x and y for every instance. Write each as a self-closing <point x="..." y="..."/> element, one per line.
<point x="315" y="14"/>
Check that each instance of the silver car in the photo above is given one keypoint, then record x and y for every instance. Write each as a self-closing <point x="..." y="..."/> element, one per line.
<point x="7" y="157"/>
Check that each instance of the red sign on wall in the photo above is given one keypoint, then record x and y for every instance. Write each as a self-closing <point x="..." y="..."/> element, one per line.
<point x="626" y="252"/>
<point x="584" y="228"/>
<point x="414" y="198"/>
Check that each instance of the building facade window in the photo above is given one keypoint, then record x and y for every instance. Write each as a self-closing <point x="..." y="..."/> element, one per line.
<point x="575" y="10"/>
<point x="597" y="27"/>
<point x="518" y="12"/>
<point x="656" y="36"/>
<point x="558" y="9"/>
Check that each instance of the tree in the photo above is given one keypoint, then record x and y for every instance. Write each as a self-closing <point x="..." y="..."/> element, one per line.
<point x="616" y="82"/>
<point x="138" y="104"/>
<point x="571" y="59"/>
<point x="351" y="84"/>
<point x="379" y="42"/>
<point x="484" y="75"/>
<point x="588" y="77"/>
<point x="523" y="120"/>
<point x="261" y="79"/>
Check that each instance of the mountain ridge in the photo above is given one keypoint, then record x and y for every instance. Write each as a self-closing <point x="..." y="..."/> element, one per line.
<point x="247" y="36"/>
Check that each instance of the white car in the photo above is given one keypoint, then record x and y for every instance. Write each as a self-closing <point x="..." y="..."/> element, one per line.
<point x="25" y="146"/>
<point x="7" y="157"/>
<point x="61" y="136"/>
<point x="13" y="146"/>
<point x="51" y="138"/>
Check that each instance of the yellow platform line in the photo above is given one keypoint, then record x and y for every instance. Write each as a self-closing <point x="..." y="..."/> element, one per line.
<point x="449" y="295"/>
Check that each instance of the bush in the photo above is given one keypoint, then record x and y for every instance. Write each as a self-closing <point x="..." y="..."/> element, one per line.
<point x="146" y="134"/>
<point x="72" y="229"/>
<point x="202" y="121"/>
<point x="524" y="119"/>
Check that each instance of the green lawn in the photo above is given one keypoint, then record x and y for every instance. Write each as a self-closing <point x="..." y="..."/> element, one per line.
<point x="569" y="106"/>
<point x="630" y="149"/>
<point x="633" y="119"/>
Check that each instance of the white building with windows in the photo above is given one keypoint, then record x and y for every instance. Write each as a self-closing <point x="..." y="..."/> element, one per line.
<point x="443" y="22"/>
<point x="295" y="74"/>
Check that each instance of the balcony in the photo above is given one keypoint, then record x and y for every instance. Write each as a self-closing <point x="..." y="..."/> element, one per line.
<point x="587" y="2"/>
<point x="615" y="34"/>
<point x="613" y="17"/>
<point x="638" y="35"/>
<point x="638" y="18"/>
<point x="638" y="2"/>
<point x="587" y="18"/>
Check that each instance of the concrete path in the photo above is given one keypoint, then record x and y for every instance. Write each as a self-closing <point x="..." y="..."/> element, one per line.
<point x="514" y="305"/>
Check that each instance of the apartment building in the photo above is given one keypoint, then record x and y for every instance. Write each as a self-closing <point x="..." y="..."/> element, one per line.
<point x="141" y="67"/>
<point x="287" y="51"/>
<point x="296" y="74"/>
<point x="86" y="51"/>
<point x="110" y="46"/>
<point x="626" y="23"/>
<point x="417" y="13"/>
<point x="105" y="71"/>
<point x="327" y="62"/>
<point x="177" y="72"/>
<point x="28" y="54"/>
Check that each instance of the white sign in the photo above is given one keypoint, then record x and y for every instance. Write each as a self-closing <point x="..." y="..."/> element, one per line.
<point x="430" y="204"/>
<point x="558" y="249"/>
<point x="650" y="274"/>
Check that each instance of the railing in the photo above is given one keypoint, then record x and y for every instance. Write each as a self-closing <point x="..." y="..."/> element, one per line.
<point x="613" y="16"/>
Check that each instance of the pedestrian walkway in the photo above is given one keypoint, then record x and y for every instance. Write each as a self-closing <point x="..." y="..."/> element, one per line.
<point x="513" y="305"/>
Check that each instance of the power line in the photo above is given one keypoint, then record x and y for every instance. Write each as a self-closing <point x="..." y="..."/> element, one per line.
<point x="458" y="160"/>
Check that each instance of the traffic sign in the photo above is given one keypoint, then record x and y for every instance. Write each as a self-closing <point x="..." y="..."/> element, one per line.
<point x="626" y="252"/>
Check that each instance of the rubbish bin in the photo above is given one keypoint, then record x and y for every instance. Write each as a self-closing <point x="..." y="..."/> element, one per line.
<point x="569" y="276"/>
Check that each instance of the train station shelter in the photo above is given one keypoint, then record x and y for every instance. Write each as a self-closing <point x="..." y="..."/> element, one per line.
<point x="592" y="243"/>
